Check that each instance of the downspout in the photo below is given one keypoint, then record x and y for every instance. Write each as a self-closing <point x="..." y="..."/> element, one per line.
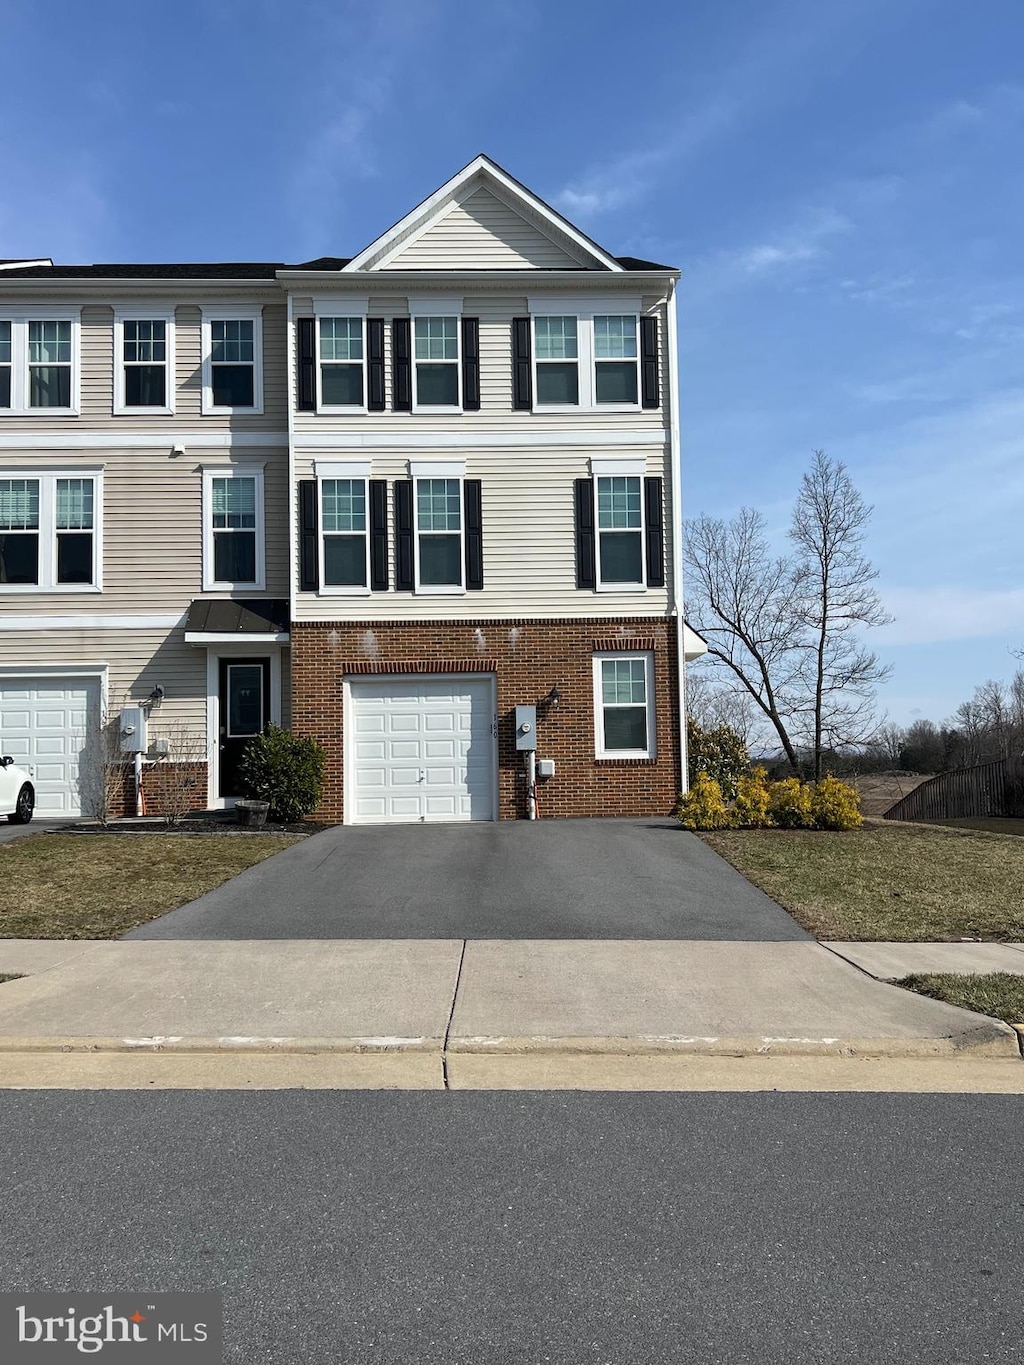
<point x="675" y="459"/>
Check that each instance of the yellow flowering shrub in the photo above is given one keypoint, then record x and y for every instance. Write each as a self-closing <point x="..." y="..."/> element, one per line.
<point x="789" y="804"/>
<point x="835" y="805"/>
<point x="752" y="797"/>
<point x="703" y="806"/>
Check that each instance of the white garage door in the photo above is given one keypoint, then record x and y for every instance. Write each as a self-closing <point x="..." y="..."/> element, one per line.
<point x="47" y="725"/>
<point x="420" y="749"/>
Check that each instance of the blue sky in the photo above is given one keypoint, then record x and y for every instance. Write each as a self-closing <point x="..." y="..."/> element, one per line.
<point x="840" y="183"/>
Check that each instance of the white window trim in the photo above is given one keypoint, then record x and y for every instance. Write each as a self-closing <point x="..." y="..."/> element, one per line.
<point x="438" y="469"/>
<point x="611" y="469"/>
<point x="234" y="471"/>
<point x="340" y="306"/>
<point x="230" y="312"/>
<point x="143" y="312"/>
<point x="599" y="746"/>
<point x="48" y="530"/>
<point x="584" y="311"/>
<point x="19" y="318"/>
<point x="340" y="469"/>
<point x="446" y="306"/>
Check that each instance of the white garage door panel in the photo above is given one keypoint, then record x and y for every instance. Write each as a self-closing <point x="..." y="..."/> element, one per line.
<point x="421" y="749"/>
<point x="47" y="726"/>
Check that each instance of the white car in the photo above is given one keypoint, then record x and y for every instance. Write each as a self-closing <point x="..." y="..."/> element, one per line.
<point x="17" y="794"/>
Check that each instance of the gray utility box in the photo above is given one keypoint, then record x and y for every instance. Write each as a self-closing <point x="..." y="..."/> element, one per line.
<point x="132" y="730"/>
<point x="526" y="727"/>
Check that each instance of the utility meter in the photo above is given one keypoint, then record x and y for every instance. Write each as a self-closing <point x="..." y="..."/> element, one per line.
<point x="526" y="727"/>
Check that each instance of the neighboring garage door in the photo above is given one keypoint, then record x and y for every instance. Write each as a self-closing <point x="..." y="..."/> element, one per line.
<point x="46" y="725"/>
<point x="420" y="749"/>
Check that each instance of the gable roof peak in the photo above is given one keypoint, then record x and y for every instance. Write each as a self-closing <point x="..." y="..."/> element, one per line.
<point x="506" y="187"/>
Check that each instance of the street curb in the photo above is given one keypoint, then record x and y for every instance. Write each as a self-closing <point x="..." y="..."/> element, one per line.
<point x="987" y="1040"/>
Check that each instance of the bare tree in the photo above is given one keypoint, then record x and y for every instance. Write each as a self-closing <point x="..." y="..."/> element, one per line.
<point x="787" y="625"/>
<point x="711" y="701"/>
<point x="835" y="600"/>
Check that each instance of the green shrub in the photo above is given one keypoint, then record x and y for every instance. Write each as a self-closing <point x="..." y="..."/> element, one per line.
<point x="703" y="806"/>
<point x="835" y="805"/>
<point x="717" y="751"/>
<point x="285" y="769"/>
<point x="752" y="797"/>
<point x="789" y="804"/>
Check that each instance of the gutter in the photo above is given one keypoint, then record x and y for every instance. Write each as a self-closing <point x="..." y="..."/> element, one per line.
<point x="677" y="530"/>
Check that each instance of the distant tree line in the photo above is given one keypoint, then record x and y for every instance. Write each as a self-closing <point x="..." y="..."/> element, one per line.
<point x="989" y="726"/>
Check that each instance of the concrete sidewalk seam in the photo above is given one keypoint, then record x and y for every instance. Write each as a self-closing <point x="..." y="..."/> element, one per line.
<point x="451" y="1015"/>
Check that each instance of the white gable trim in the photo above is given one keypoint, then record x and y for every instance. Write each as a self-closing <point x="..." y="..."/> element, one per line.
<point x="440" y="203"/>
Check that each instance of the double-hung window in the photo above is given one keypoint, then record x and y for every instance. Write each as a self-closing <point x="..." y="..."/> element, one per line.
<point x="233" y="550"/>
<point x="440" y="550"/>
<point x="6" y="363"/>
<point x="232" y="360"/>
<point x="342" y="359"/>
<point x="586" y="353"/>
<point x="620" y="530"/>
<point x="344" y="533"/>
<point x="39" y="361"/>
<point x="436" y="354"/>
<point x="624" y="705"/>
<point x="616" y="359"/>
<point x="556" y="352"/>
<point x="144" y="351"/>
<point x="49" y="531"/>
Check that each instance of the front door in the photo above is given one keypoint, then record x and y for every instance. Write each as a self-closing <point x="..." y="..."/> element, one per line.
<point x="244" y="713"/>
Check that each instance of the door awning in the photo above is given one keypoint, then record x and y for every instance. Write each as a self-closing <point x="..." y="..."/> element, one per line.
<point x="226" y="620"/>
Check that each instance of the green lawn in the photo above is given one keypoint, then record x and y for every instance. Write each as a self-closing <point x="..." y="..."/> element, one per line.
<point x="1000" y="994"/>
<point x="102" y="885"/>
<point x="891" y="881"/>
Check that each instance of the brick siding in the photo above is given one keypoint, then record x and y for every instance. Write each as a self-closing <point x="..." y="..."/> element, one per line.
<point x="529" y="658"/>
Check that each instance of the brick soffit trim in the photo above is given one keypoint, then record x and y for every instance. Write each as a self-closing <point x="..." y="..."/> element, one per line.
<point x="419" y="665"/>
<point x="637" y="642"/>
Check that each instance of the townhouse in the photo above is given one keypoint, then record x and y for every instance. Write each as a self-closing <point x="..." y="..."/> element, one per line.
<point x="418" y="503"/>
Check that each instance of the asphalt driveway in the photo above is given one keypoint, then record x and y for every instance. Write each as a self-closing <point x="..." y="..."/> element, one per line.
<point x="548" y="879"/>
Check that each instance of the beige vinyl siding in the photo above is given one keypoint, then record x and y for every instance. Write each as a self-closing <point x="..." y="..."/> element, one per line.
<point x="482" y="233"/>
<point x="137" y="661"/>
<point x="153" y="527"/>
<point x="495" y="312"/>
<point x="529" y="543"/>
<point x="97" y="378"/>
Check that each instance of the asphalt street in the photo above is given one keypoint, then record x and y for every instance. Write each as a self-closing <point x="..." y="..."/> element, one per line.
<point x="524" y="1228"/>
<point x="515" y="879"/>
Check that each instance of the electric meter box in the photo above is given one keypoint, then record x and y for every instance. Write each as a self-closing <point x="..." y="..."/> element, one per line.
<point x="526" y="727"/>
<point x="132" y="730"/>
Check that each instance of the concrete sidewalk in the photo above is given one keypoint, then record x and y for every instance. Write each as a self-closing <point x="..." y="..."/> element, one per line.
<point x="894" y="961"/>
<point x="428" y="1013"/>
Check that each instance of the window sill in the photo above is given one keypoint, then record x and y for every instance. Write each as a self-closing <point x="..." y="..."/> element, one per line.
<point x="422" y="409"/>
<point x="143" y="412"/>
<point x="39" y="412"/>
<point x="342" y="590"/>
<point x="621" y="587"/>
<point x="234" y="587"/>
<point x="440" y="590"/>
<point x="626" y="756"/>
<point x="339" y="410"/>
<point x="28" y="589"/>
<point x="231" y="412"/>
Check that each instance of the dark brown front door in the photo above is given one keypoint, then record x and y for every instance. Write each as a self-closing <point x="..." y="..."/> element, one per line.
<point x="244" y="713"/>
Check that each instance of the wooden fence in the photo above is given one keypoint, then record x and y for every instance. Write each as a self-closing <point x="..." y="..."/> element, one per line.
<point x="966" y="793"/>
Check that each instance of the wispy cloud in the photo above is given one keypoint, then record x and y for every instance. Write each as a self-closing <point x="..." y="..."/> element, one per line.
<point x="944" y="613"/>
<point x="782" y="46"/>
<point x="805" y="240"/>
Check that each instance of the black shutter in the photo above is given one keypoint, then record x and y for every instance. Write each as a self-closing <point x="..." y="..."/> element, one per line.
<point x="401" y="364"/>
<point x="307" y="364"/>
<point x="471" y="364"/>
<point x="379" y="535"/>
<point x="471" y="501"/>
<point x="375" y="364"/>
<point x="404" y="581"/>
<point x="586" y="544"/>
<point x="653" y="518"/>
<point x="649" y="366"/>
<point x="522" y="370"/>
<point x="309" y="557"/>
